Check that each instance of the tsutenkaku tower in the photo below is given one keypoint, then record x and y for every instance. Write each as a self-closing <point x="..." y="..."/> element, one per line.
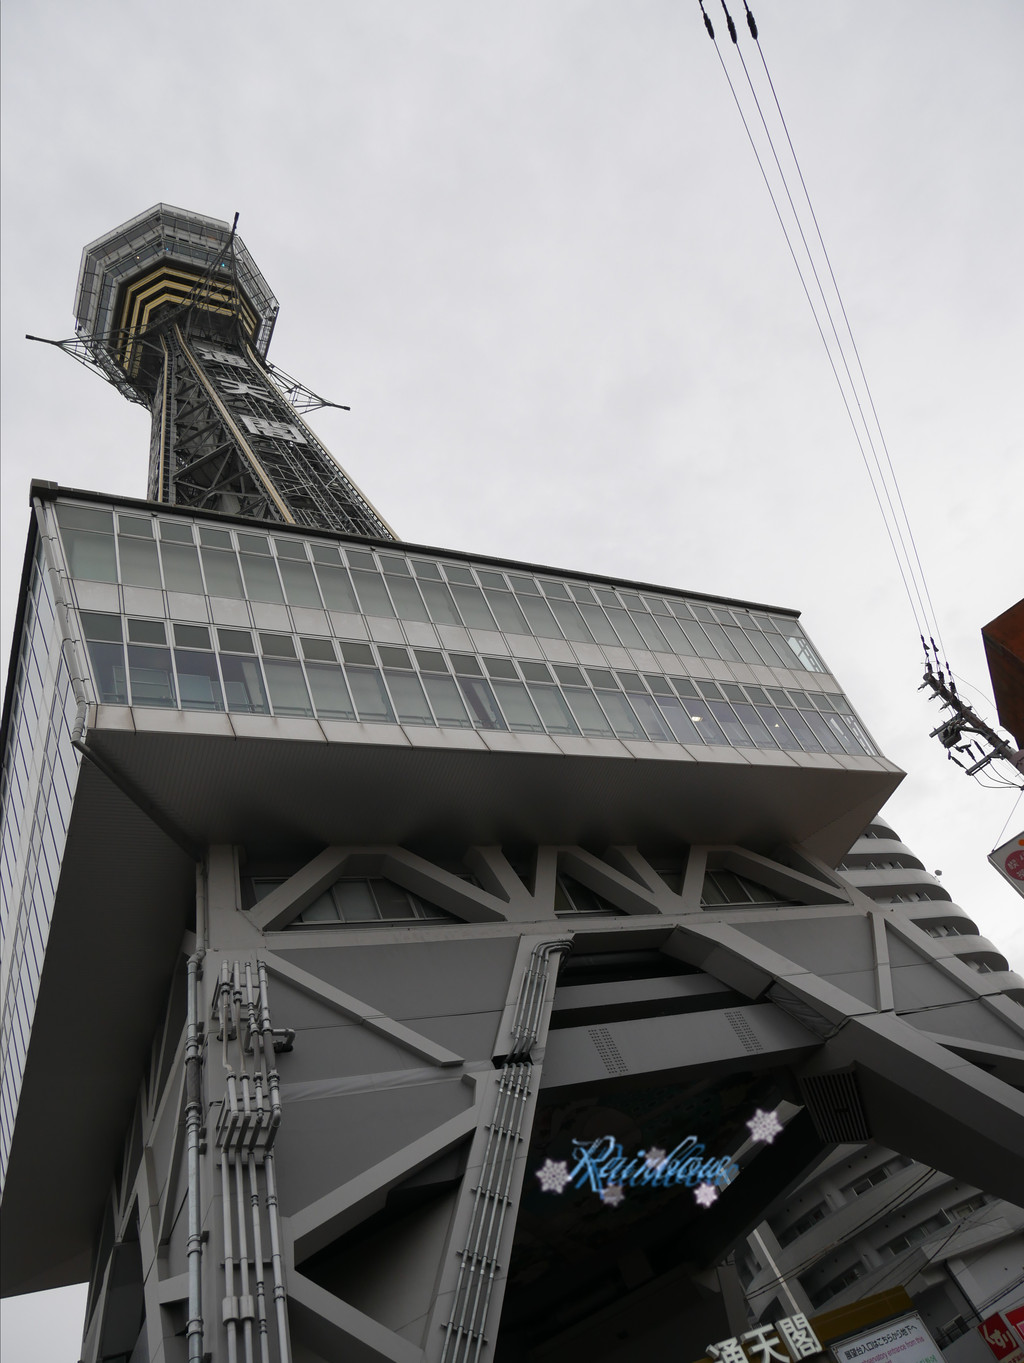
<point x="352" y="886"/>
<point x="173" y="311"/>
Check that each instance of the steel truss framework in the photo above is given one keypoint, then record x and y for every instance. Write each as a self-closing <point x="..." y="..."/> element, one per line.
<point x="284" y="1263"/>
<point x="225" y="438"/>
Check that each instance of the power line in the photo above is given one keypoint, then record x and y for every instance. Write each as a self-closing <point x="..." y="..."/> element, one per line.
<point x="896" y="522"/>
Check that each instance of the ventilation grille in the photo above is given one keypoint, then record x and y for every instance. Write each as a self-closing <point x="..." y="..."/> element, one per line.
<point x="748" y="1038"/>
<point x="834" y="1103"/>
<point x="604" y="1044"/>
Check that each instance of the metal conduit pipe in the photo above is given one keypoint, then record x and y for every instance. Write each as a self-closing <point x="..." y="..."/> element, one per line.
<point x="257" y="1256"/>
<point x="193" y="1127"/>
<point x="492" y="1197"/>
<point x="245" y="1311"/>
<point x="254" y="1044"/>
<point x="277" y="1260"/>
<point x="230" y="1322"/>
<point x="266" y="1041"/>
<point x="223" y="1017"/>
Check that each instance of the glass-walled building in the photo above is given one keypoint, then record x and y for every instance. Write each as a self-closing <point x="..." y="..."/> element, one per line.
<point x="182" y="613"/>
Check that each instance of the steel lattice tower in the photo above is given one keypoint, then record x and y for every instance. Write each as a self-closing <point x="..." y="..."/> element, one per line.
<point x="172" y="310"/>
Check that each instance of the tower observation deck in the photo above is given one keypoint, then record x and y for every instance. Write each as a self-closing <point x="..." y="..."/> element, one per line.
<point x="353" y="889"/>
<point x="173" y="311"/>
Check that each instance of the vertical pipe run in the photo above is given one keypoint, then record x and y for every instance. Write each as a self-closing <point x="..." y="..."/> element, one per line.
<point x="193" y="1127"/>
<point x="492" y="1197"/>
<point x="243" y="1262"/>
<point x="231" y="1323"/>
<point x="257" y="1256"/>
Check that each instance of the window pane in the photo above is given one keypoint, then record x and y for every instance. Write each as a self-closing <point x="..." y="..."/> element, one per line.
<point x="407" y="694"/>
<point x="553" y="710"/>
<point x="139" y="566"/>
<point x="373" y="595"/>
<point x="589" y="715"/>
<point x="778" y="654"/>
<point x="447" y="703"/>
<point x="244" y="685"/>
<point x="299" y="583"/>
<point x="798" y="724"/>
<point x="855" y="728"/>
<point x="198" y="682"/>
<point x="336" y="587"/>
<point x="370" y="697"/>
<point x="573" y="625"/>
<point x="151" y="676"/>
<point x="100" y="626"/>
<point x="507" y="613"/>
<point x="482" y="705"/>
<point x="287" y="687"/>
<point x="542" y="622"/>
<point x="407" y="599"/>
<point x="624" y="627"/>
<point x="109" y="674"/>
<point x="648" y="627"/>
<point x="731" y="888"/>
<point x="624" y="722"/>
<point x="355" y="901"/>
<point x="181" y="568"/>
<point x="515" y="701"/>
<point x="261" y="578"/>
<point x="222" y="576"/>
<point x="737" y="735"/>
<point x="330" y="694"/>
<point x="440" y="603"/>
<point x="599" y="625"/>
<point x="322" y="910"/>
<point x="680" y="722"/>
<point x="90" y="557"/>
<point x="651" y="718"/>
<point x="473" y="607"/>
<point x="828" y="740"/>
<point x="742" y="644"/>
<point x="718" y="637"/>
<point x="778" y="728"/>
<point x="393" y="902"/>
<point x="677" y="640"/>
<point x="699" y="641"/>
<point x="846" y="738"/>
<point x="754" y="726"/>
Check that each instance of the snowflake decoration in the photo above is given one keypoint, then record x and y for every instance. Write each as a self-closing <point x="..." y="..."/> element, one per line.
<point x="613" y="1195"/>
<point x="553" y="1175"/>
<point x="764" y="1126"/>
<point x="655" y="1157"/>
<point x="705" y="1194"/>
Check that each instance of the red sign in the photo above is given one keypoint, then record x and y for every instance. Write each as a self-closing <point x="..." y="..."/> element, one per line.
<point x="1016" y="1319"/>
<point x="998" y="1336"/>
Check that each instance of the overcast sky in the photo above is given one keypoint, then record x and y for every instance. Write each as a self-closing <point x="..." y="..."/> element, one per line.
<point x="530" y="245"/>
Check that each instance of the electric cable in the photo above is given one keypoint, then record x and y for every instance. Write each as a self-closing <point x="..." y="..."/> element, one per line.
<point x="842" y="307"/>
<point x="925" y="617"/>
<point x="998" y="841"/>
<point x="958" y="1226"/>
<point x="778" y="213"/>
<point x="831" y="319"/>
<point x="897" y="1201"/>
